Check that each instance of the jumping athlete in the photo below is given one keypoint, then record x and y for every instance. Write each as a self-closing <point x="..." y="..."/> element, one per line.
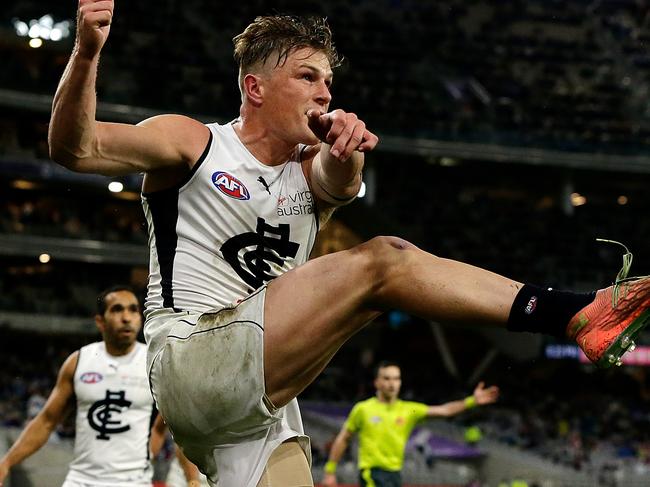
<point x="238" y="323"/>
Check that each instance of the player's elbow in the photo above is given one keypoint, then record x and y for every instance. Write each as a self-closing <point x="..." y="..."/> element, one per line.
<point x="67" y="158"/>
<point x="62" y="156"/>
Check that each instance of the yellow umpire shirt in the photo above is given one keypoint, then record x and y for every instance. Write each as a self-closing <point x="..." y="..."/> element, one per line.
<point x="383" y="431"/>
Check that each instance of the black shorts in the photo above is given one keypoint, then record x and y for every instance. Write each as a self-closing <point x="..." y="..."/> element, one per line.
<point x="377" y="477"/>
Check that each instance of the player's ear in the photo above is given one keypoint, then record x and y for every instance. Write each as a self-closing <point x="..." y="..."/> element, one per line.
<point x="99" y="322"/>
<point x="253" y="89"/>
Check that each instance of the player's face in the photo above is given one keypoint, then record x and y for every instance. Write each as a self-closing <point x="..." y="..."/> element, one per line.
<point x="301" y="84"/>
<point x="121" y="321"/>
<point x="388" y="382"/>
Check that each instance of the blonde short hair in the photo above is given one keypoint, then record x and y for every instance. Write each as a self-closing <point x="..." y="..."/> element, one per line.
<point x="281" y="35"/>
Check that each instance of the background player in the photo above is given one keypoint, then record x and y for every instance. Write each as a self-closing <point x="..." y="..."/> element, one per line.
<point x="115" y="410"/>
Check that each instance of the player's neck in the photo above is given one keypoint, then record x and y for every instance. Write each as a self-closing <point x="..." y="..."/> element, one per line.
<point x="386" y="400"/>
<point x="118" y="351"/>
<point x="262" y="143"/>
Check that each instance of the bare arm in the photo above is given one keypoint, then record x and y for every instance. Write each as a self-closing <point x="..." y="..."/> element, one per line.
<point x="80" y="143"/>
<point x="480" y="397"/>
<point x="338" y="449"/>
<point x="39" y="429"/>
<point x="335" y="173"/>
<point x="158" y="435"/>
<point x="191" y="471"/>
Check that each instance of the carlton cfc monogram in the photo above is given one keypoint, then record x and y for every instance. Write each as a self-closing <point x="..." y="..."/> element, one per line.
<point x="101" y="415"/>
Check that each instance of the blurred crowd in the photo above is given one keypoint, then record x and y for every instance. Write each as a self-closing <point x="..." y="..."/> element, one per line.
<point x="30" y="366"/>
<point x="571" y="75"/>
<point x="591" y="422"/>
<point x="52" y="214"/>
<point x="564" y="74"/>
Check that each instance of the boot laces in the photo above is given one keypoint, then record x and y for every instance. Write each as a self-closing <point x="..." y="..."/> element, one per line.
<point x="622" y="279"/>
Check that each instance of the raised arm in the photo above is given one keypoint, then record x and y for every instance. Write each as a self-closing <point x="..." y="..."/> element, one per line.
<point x="480" y="397"/>
<point x="80" y="143"/>
<point x="38" y="430"/>
<point x="335" y="174"/>
<point x="338" y="449"/>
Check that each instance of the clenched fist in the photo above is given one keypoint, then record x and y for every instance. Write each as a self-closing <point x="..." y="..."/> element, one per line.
<point x="93" y="24"/>
<point x="344" y="131"/>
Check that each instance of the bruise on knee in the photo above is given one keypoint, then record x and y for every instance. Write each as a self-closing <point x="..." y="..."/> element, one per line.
<point x="392" y="242"/>
<point x="400" y="243"/>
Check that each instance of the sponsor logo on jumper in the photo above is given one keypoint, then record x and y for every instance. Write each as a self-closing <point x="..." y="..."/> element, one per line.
<point x="375" y="419"/>
<point x="263" y="182"/>
<point x="230" y="185"/>
<point x="300" y="203"/>
<point x="257" y="257"/>
<point x="91" y="377"/>
<point x="103" y="416"/>
<point x="532" y="304"/>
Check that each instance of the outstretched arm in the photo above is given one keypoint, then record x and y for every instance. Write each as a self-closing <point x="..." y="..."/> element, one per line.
<point x="39" y="429"/>
<point x="80" y="143"/>
<point x="335" y="174"/>
<point x="480" y="397"/>
<point x="338" y="449"/>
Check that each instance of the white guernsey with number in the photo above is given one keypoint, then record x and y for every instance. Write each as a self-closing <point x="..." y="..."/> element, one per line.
<point x="231" y="227"/>
<point x="115" y="411"/>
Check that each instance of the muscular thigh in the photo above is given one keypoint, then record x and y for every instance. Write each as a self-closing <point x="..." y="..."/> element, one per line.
<point x="309" y="313"/>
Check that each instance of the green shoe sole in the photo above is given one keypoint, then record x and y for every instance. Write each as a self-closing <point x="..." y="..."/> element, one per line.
<point x="618" y="347"/>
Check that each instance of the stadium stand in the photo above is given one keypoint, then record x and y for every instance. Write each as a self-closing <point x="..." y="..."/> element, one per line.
<point x="525" y="131"/>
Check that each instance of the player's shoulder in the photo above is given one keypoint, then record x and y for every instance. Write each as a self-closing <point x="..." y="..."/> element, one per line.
<point x="366" y="404"/>
<point x="412" y="406"/>
<point x="187" y="134"/>
<point x="172" y="121"/>
<point x="69" y="366"/>
<point x="91" y="346"/>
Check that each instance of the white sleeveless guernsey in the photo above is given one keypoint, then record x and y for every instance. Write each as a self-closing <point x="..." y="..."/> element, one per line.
<point x="115" y="411"/>
<point x="231" y="227"/>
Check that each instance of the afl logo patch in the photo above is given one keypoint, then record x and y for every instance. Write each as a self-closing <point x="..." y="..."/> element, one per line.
<point x="91" y="377"/>
<point x="532" y="304"/>
<point x="230" y="186"/>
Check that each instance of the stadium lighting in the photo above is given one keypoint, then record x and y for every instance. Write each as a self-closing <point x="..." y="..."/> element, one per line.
<point x="44" y="258"/>
<point x="448" y="161"/>
<point x="115" y="187"/>
<point x="22" y="29"/>
<point x="577" y="199"/>
<point x="43" y="29"/>
<point x="34" y="31"/>
<point x="23" y="184"/>
<point x="56" y="34"/>
<point x="35" y="43"/>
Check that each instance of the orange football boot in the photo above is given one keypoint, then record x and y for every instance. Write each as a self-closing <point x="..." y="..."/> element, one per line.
<point x="607" y="328"/>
